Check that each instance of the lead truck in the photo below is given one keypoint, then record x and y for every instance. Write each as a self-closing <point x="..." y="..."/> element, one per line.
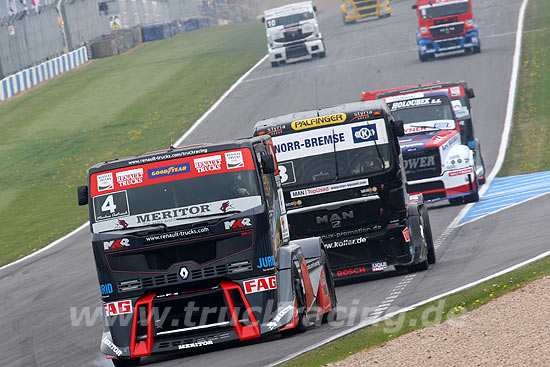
<point x="343" y="180"/>
<point x="192" y="249"/>
<point x="444" y="26"/>
<point x="293" y="33"/>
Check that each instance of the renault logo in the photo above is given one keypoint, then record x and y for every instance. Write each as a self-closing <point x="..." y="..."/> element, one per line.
<point x="184" y="273"/>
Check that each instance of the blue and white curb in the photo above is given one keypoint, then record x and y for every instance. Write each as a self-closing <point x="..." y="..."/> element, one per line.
<point x="30" y="77"/>
<point x="505" y="192"/>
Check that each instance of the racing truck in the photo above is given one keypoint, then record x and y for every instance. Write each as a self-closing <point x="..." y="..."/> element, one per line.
<point x="293" y="33"/>
<point x="192" y="249"/>
<point x="444" y="26"/>
<point x="436" y="162"/>
<point x="343" y="180"/>
<point x="460" y="95"/>
<point x="354" y="10"/>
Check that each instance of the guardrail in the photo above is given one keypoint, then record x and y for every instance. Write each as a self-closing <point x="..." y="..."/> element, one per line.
<point x="30" y="77"/>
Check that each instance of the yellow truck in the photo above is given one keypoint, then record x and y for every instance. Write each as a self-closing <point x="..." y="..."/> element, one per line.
<point x="353" y="10"/>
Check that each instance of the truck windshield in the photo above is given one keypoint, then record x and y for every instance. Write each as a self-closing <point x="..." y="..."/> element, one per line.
<point x="333" y="154"/>
<point x="439" y="11"/>
<point x="424" y="114"/>
<point x="175" y="192"/>
<point x="289" y="19"/>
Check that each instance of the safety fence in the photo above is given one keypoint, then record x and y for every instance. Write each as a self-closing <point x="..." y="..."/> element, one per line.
<point x="28" y="78"/>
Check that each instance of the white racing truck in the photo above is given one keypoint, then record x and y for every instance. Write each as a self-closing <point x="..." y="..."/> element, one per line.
<point x="293" y="33"/>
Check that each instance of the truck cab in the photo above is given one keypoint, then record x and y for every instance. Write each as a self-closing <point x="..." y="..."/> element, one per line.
<point x="354" y="10"/>
<point x="293" y="33"/>
<point x="192" y="249"/>
<point x="343" y="180"/>
<point x="444" y="26"/>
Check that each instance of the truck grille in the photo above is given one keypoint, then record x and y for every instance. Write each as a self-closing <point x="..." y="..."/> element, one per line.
<point x="422" y="164"/>
<point x="292" y="36"/>
<point x="363" y="4"/>
<point x="447" y="30"/>
<point x="295" y="51"/>
<point x="449" y="43"/>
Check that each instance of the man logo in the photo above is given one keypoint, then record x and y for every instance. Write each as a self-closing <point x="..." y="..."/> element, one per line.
<point x="335" y="219"/>
<point x="364" y="133"/>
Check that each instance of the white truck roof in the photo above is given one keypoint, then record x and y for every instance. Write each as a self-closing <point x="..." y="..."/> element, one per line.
<point x="288" y="9"/>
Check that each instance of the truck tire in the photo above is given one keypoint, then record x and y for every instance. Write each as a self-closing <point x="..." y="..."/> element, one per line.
<point x="332" y="315"/>
<point x="274" y="64"/>
<point x="424" y="265"/>
<point x="428" y="235"/>
<point x="132" y="362"/>
<point x="301" y="301"/>
<point x="472" y="198"/>
<point x="423" y="58"/>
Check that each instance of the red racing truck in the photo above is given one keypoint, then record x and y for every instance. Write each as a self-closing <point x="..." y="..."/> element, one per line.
<point x="192" y="249"/>
<point x="444" y="26"/>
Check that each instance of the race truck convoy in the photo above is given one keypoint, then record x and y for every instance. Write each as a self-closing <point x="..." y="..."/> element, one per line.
<point x="353" y="10"/>
<point x="437" y="164"/>
<point x="445" y="25"/>
<point x="293" y="33"/>
<point x="192" y="249"/>
<point x="343" y="180"/>
<point x="460" y="95"/>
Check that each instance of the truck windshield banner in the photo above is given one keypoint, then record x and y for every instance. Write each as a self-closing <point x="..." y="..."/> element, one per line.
<point x="330" y="139"/>
<point x="171" y="170"/>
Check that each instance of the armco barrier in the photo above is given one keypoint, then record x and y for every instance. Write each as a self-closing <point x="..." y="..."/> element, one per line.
<point x="28" y="78"/>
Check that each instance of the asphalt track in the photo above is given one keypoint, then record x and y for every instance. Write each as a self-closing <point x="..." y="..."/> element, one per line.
<point x="37" y="329"/>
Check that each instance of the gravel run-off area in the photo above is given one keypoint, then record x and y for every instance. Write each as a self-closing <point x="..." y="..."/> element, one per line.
<point x="513" y="330"/>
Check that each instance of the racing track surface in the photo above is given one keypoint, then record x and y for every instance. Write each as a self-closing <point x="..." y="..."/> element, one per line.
<point x="38" y="294"/>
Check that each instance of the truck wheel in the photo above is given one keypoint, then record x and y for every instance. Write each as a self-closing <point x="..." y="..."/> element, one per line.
<point x="424" y="265"/>
<point x="428" y="235"/>
<point x="301" y="301"/>
<point x="479" y="157"/>
<point x="472" y="198"/>
<point x="274" y="64"/>
<point x="423" y="57"/>
<point x="132" y="362"/>
<point x="332" y="314"/>
<point x="456" y="201"/>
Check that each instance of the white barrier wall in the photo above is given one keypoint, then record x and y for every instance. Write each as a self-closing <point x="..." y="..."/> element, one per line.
<point x="28" y="78"/>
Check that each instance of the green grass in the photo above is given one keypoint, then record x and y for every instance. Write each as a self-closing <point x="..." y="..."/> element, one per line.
<point x="529" y="149"/>
<point x="113" y="107"/>
<point x="438" y="311"/>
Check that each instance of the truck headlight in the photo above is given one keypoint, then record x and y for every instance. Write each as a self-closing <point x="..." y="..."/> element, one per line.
<point x="470" y="23"/>
<point x="423" y="30"/>
<point x="457" y="163"/>
<point x="349" y="7"/>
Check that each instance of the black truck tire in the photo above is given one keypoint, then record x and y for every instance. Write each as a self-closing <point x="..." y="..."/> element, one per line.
<point x="428" y="235"/>
<point x="414" y="221"/>
<point x="301" y="301"/>
<point x="333" y="314"/>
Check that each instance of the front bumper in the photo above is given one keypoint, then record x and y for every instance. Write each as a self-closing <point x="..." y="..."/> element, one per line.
<point x="451" y="184"/>
<point x="297" y="51"/>
<point x="428" y="46"/>
<point x="367" y="12"/>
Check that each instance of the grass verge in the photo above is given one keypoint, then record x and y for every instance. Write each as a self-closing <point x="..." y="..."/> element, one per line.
<point x="113" y="107"/>
<point x="432" y="313"/>
<point x="529" y="146"/>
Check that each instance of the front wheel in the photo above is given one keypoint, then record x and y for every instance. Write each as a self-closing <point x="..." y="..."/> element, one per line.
<point x="428" y="235"/>
<point x="274" y="64"/>
<point x="301" y="303"/>
<point x="473" y="197"/>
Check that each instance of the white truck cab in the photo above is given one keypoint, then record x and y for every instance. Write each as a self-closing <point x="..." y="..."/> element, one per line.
<point x="293" y="33"/>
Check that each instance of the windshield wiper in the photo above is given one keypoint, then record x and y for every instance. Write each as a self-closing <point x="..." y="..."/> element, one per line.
<point x="149" y="228"/>
<point x="211" y="215"/>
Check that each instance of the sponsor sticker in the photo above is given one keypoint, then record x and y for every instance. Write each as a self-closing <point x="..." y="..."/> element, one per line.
<point x="174" y="169"/>
<point x="105" y="182"/>
<point x="271" y="325"/>
<point x="379" y="266"/>
<point x="118" y="308"/>
<point x="106" y="289"/>
<point x="318" y="121"/>
<point x="234" y="159"/>
<point x="208" y="164"/>
<point x="260" y="284"/>
<point x="130" y="177"/>
<point x="364" y="133"/>
<point x="461" y="172"/>
<point x="266" y="262"/>
<point x="328" y="188"/>
<point x="237" y="224"/>
<point x="406" y="234"/>
<point x="351" y="271"/>
<point x="115" y="245"/>
<point x="112" y="346"/>
<point x="202" y="343"/>
<point x="110" y="206"/>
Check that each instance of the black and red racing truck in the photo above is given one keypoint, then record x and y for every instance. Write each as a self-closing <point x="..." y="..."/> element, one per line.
<point x="460" y="95"/>
<point x="343" y="180"/>
<point x="445" y="26"/>
<point x="192" y="249"/>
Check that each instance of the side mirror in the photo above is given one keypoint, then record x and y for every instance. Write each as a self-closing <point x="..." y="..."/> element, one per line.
<point x="82" y="195"/>
<point x="314" y="8"/>
<point x="413" y="7"/>
<point x="268" y="164"/>
<point x="398" y="128"/>
<point x="470" y="93"/>
<point x="263" y="19"/>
